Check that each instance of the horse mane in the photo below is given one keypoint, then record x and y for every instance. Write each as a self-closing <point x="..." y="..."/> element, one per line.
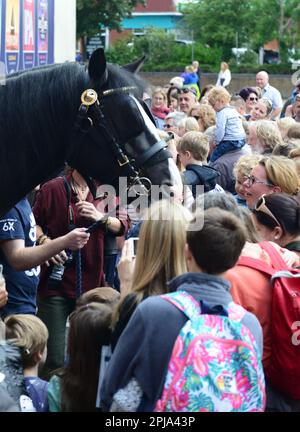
<point x="57" y="88"/>
<point x="119" y="77"/>
<point x="36" y="99"/>
<point x="38" y="110"/>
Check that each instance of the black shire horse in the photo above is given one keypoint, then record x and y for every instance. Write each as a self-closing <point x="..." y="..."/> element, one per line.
<point x="90" y="118"/>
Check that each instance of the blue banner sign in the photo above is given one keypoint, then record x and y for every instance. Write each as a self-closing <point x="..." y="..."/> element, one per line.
<point x="26" y="34"/>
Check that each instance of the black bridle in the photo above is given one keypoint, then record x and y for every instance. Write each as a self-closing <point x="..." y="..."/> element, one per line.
<point x="90" y="118"/>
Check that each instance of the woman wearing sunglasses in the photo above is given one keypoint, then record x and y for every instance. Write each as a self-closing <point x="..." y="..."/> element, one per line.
<point x="261" y="110"/>
<point x="277" y="219"/>
<point x="250" y="96"/>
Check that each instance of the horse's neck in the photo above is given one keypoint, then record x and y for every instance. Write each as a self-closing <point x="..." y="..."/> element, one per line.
<point x="34" y="149"/>
<point x="23" y="170"/>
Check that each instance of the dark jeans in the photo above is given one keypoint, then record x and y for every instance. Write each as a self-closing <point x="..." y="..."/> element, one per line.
<point x="54" y="311"/>
<point x="278" y="402"/>
<point x="225" y="147"/>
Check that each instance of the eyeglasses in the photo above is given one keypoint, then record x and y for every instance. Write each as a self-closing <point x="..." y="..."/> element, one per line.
<point x="251" y="180"/>
<point x="253" y="99"/>
<point x="261" y="207"/>
<point x="167" y="126"/>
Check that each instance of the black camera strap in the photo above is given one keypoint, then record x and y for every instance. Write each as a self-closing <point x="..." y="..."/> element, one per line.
<point x="72" y="225"/>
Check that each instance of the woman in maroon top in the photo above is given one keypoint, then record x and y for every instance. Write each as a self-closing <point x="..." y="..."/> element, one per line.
<point x="53" y="217"/>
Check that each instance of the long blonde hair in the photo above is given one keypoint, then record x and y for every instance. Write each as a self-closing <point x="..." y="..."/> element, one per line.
<point x="160" y="251"/>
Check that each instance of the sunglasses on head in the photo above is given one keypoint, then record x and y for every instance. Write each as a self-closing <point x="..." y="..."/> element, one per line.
<point x="261" y="207"/>
<point x="188" y="90"/>
<point x="253" y="98"/>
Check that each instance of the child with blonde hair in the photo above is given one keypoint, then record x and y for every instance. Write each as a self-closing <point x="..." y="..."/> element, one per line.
<point x="30" y="334"/>
<point x="193" y="149"/>
<point x="230" y="134"/>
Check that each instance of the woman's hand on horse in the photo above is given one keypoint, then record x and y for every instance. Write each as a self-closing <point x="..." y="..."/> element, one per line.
<point x="76" y="239"/>
<point x="88" y="210"/>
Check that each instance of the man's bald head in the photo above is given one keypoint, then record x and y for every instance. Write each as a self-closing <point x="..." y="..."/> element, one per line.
<point x="262" y="79"/>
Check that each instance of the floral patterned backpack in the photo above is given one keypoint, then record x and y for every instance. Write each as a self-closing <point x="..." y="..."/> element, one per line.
<point x="215" y="363"/>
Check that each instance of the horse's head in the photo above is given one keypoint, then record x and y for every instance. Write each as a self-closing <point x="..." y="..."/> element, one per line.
<point x="115" y="136"/>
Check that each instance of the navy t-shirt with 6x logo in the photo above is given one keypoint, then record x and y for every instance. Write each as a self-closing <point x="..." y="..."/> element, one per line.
<point x="19" y="223"/>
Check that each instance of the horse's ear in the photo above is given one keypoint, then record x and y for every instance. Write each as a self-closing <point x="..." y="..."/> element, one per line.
<point x="97" y="67"/>
<point x="136" y="65"/>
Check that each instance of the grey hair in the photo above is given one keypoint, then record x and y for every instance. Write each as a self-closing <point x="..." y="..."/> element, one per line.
<point x="177" y="116"/>
<point x="224" y="201"/>
<point x="210" y="133"/>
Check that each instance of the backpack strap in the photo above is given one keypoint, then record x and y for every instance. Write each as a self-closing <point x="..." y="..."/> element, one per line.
<point x="285" y="274"/>
<point x="256" y="264"/>
<point x="192" y="308"/>
<point x="277" y="261"/>
<point x="184" y="302"/>
<point x="236" y="312"/>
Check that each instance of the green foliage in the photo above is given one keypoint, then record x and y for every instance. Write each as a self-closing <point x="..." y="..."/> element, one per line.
<point x="122" y="52"/>
<point x="217" y="23"/>
<point x="156" y="44"/>
<point x="283" y="68"/>
<point x="218" y="26"/>
<point x="277" y="19"/>
<point x="249" y="23"/>
<point x="163" y="53"/>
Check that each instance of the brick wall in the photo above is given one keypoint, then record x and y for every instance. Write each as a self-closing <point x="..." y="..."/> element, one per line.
<point x="157" y="6"/>
<point x="281" y="82"/>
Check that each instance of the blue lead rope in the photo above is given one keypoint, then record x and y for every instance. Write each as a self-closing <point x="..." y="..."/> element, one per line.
<point x="78" y="273"/>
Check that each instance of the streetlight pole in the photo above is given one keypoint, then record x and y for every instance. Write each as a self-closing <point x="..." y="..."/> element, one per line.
<point x="192" y="46"/>
<point x="237" y="47"/>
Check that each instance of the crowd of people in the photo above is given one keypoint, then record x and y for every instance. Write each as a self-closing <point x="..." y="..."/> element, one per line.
<point x="187" y="322"/>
